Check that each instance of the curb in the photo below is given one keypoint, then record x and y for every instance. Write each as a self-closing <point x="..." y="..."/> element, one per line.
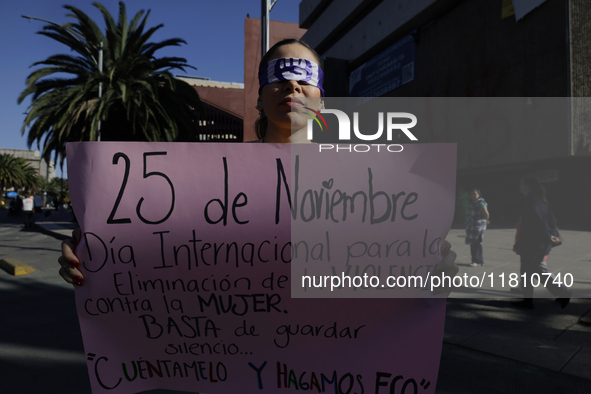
<point x="15" y="267"/>
<point x="585" y="320"/>
<point x="54" y="234"/>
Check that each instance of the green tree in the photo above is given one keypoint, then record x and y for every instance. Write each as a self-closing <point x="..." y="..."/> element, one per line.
<point x="10" y="171"/>
<point x="56" y="188"/>
<point x="141" y="100"/>
<point x="16" y="172"/>
<point x="31" y="180"/>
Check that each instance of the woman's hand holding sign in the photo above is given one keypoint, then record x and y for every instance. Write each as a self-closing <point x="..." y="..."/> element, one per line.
<point x="69" y="262"/>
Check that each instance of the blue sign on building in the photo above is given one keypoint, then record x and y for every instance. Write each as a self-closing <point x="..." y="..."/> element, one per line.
<point x="393" y="67"/>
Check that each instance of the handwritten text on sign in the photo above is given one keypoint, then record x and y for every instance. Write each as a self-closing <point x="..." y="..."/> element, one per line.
<point x="186" y="251"/>
<point x="369" y="225"/>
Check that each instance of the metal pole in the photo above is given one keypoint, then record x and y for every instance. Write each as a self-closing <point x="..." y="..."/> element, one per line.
<point x="100" y="67"/>
<point x="264" y="27"/>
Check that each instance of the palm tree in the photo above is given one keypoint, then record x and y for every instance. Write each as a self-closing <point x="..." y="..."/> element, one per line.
<point x="141" y="101"/>
<point x="31" y="180"/>
<point x="10" y="171"/>
<point x="16" y="172"/>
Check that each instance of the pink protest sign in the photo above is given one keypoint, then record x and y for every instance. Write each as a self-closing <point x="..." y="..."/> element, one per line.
<point x="186" y="251"/>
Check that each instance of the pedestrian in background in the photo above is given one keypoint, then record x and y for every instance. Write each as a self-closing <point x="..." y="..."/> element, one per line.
<point x="28" y="210"/>
<point x="476" y="223"/>
<point x="538" y="232"/>
<point x="19" y="205"/>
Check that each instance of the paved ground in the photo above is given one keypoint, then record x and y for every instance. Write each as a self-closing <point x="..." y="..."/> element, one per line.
<point x="40" y="344"/>
<point x="489" y="346"/>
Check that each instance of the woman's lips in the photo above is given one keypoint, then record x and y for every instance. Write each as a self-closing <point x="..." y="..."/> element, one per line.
<point x="292" y="102"/>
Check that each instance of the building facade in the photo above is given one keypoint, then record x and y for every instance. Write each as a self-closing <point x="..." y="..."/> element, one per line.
<point x="528" y="51"/>
<point x="220" y="117"/>
<point x="33" y="157"/>
<point x="228" y="109"/>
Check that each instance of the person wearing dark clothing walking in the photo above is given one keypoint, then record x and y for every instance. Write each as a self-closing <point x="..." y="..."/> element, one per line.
<point x="537" y="233"/>
<point x="476" y="223"/>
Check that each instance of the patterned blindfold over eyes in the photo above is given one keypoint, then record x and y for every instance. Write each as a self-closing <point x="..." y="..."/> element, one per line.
<point x="291" y="69"/>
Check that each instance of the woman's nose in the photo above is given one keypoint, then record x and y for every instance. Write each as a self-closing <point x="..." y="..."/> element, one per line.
<point x="292" y="86"/>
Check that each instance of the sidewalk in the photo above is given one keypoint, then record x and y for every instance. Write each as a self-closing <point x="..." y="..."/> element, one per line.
<point x="59" y="224"/>
<point x="490" y="346"/>
<point x="544" y="350"/>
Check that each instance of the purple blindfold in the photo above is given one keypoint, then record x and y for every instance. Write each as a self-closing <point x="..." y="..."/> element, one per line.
<point x="291" y="69"/>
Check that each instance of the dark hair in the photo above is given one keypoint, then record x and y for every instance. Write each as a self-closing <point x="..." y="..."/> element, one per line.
<point x="477" y="190"/>
<point x="535" y="186"/>
<point x="260" y="125"/>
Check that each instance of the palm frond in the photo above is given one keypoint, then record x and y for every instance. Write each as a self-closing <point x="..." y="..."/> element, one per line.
<point x="141" y="100"/>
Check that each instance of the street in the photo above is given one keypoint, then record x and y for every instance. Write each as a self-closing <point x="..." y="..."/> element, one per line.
<point x="489" y="347"/>
<point x="40" y="344"/>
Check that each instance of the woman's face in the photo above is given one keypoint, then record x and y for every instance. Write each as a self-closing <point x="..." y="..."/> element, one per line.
<point x="474" y="195"/>
<point x="279" y="99"/>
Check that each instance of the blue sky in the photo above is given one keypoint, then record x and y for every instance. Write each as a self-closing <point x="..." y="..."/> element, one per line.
<point x="214" y="31"/>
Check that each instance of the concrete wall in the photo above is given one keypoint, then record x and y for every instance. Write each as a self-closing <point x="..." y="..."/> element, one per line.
<point x="470" y="51"/>
<point x="580" y="56"/>
<point x="348" y="29"/>
<point x="465" y="48"/>
<point x="229" y="100"/>
<point x="33" y="157"/>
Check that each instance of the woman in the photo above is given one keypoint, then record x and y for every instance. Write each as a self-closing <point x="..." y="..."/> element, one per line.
<point x="476" y="223"/>
<point x="290" y="76"/>
<point x="537" y="233"/>
<point x="279" y="94"/>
